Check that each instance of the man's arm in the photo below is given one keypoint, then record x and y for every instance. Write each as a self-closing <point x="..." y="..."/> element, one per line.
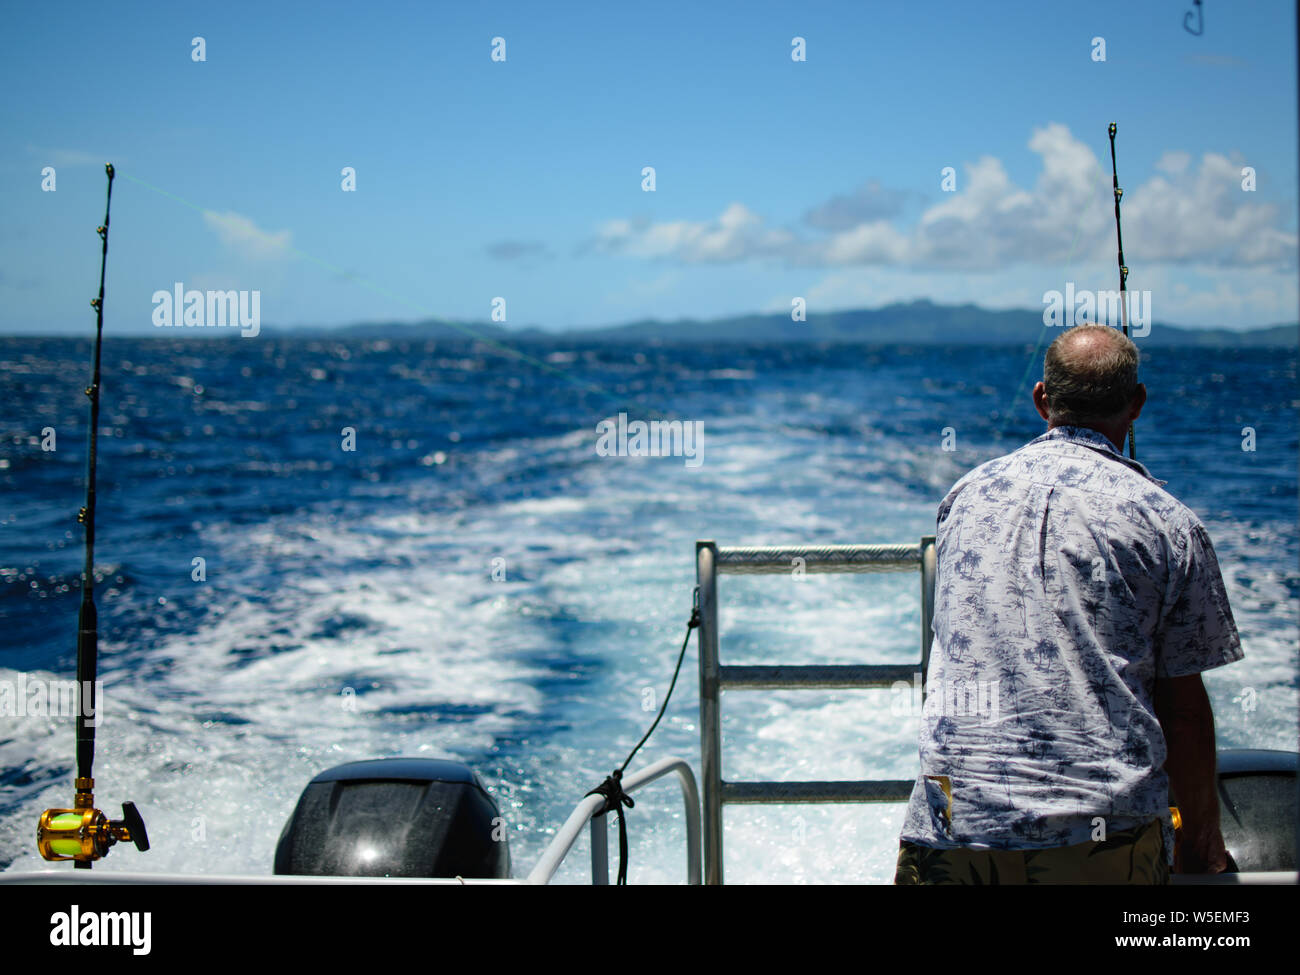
<point x="1183" y="709"/>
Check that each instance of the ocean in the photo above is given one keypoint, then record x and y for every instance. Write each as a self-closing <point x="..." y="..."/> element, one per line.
<point x="475" y="581"/>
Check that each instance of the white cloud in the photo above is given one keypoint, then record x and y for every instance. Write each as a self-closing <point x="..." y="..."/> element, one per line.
<point x="868" y="243"/>
<point x="737" y="234"/>
<point x="1174" y="162"/>
<point x="1183" y="214"/>
<point x="1204" y="215"/>
<point x="239" y="233"/>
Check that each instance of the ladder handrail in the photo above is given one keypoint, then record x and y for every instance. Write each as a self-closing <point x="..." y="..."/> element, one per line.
<point x="567" y="836"/>
<point x="706" y="578"/>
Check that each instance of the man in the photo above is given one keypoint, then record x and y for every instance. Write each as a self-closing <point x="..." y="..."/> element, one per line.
<point x="1076" y="604"/>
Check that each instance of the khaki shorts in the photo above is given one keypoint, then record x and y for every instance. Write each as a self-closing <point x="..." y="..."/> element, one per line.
<point x="1131" y="856"/>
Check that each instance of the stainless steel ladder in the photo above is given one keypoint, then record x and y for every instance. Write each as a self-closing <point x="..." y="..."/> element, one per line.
<point x="710" y="560"/>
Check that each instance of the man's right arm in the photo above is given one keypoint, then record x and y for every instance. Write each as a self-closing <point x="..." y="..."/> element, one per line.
<point x="1183" y="709"/>
<point x="1197" y="633"/>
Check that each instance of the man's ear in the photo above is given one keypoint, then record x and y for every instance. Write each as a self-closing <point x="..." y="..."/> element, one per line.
<point x="1040" y="400"/>
<point x="1139" y="400"/>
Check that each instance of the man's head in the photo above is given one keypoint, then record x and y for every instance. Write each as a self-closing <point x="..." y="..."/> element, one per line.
<point x="1090" y="380"/>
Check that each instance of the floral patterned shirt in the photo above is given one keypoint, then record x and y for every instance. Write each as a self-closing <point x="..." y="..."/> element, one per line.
<point x="1068" y="581"/>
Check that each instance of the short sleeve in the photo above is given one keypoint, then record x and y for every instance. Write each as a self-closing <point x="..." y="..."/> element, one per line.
<point x="1197" y="632"/>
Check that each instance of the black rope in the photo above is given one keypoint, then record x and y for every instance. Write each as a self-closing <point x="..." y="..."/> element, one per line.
<point x="612" y="787"/>
<point x="615" y="800"/>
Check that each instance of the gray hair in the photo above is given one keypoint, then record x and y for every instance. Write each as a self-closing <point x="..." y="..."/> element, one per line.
<point x="1090" y="373"/>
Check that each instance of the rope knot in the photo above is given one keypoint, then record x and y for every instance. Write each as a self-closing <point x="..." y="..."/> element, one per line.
<point x="694" y="621"/>
<point x="615" y="797"/>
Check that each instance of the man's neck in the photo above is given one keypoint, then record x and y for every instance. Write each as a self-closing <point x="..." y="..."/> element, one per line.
<point x="1115" y="434"/>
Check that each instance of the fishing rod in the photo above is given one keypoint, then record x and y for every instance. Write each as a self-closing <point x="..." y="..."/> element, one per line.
<point x="1123" y="271"/>
<point x="85" y="834"/>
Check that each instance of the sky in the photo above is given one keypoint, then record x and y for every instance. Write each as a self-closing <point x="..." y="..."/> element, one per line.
<point x="480" y="178"/>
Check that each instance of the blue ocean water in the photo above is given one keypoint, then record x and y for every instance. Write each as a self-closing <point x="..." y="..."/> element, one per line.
<point x="474" y="581"/>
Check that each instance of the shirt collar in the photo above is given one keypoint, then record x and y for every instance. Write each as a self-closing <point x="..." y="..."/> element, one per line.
<point x="1096" y="440"/>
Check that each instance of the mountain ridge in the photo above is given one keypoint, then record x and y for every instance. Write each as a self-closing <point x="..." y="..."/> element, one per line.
<point x="919" y="322"/>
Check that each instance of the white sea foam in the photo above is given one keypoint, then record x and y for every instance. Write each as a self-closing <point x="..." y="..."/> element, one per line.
<point x="227" y="724"/>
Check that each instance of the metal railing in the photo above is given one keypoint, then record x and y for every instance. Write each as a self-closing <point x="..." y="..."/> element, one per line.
<point x="568" y="835"/>
<point x="710" y="560"/>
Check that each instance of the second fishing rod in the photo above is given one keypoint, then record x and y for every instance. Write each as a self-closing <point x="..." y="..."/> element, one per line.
<point x="1123" y="269"/>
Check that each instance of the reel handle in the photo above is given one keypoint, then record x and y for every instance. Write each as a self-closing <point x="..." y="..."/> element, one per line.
<point x="131" y="827"/>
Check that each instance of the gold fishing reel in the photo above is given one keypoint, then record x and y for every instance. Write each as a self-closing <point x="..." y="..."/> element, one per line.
<point x="85" y="833"/>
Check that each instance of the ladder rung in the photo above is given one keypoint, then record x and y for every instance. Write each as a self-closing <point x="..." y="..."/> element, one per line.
<point x="871" y="790"/>
<point x="780" y="559"/>
<point x="816" y="675"/>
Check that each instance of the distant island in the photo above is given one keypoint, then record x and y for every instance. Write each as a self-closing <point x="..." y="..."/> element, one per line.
<point x="914" y="323"/>
<point x="904" y="323"/>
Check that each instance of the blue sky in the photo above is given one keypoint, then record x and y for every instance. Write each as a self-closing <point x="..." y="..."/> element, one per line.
<point x="522" y="179"/>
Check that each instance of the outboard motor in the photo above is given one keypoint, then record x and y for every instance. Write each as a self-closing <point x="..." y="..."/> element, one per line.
<point x="395" y="817"/>
<point x="1257" y="808"/>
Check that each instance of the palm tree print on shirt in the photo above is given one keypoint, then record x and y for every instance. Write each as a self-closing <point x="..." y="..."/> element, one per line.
<point x="1020" y="605"/>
